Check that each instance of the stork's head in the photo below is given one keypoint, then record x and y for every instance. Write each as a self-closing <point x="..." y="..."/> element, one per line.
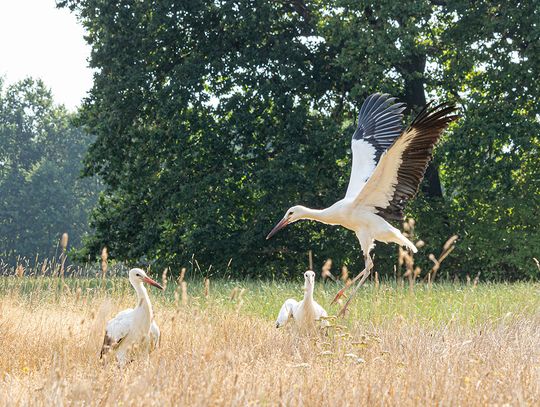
<point x="309" y="279"/>
<point x="292" y="215"/>
<point x="139" y="276"/>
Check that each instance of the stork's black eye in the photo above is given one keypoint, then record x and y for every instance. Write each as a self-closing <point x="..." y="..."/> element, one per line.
<point x="290" y="213"/>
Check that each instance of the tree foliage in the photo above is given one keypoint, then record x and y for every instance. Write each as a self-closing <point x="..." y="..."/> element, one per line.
<point x="41" y="193"/>
<point x="212" y="118"/>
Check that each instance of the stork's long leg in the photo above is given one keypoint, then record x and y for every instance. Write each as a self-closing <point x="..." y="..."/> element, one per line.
<point x="366" y="243"/>
<point x="365" y="274"/>
<point x="342" y="291"/>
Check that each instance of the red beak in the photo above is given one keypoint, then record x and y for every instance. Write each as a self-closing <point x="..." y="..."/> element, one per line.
<point x="152" y="282"/>
<point x="282" y="223"/>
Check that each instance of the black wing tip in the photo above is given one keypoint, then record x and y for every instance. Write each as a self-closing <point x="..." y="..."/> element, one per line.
<point x="439" y="114"/>
<point x="430" y="123"/>
<point x="391" y="213"/>
<point x="377" y="105"/>
<point x="374" y="100"/>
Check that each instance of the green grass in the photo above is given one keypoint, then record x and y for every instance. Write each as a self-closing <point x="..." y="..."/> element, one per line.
<point x="441" y="304"/>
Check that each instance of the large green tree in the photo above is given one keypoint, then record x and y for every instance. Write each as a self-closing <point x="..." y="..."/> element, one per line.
<point x="42" y="194"/>
<point x="213" y="117"/>
<point x="484" y="55"/>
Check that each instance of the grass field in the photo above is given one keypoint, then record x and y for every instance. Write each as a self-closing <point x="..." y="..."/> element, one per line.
<point x="446" y="345"/>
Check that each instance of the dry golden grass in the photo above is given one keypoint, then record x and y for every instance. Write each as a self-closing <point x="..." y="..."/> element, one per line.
<point x="213" y="354"/>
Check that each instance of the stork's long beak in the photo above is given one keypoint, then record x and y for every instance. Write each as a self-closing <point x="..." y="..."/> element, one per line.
<point x="282" y="223"/>
<point x="152" y="282"/>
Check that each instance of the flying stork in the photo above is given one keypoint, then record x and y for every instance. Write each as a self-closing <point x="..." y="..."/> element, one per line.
<point x="304" y="313"/>
<point x="133" y="330"/>
<point x="388" y="165"/>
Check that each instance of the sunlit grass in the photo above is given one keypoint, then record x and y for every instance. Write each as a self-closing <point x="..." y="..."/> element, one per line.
<point x="445" y="344"/>
<point x="436" y="304"/>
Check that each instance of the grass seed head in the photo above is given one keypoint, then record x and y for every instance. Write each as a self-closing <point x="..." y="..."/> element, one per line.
<point x="326" y="270"/>
<point x="19" y="271"/>
<point x="450" y="242"/>
<point x="344" y="273"/>
<point x="206" y="287"/>
<point x="44" y="267"/>
<point x="164" y="278"/>
<point x="182" y="275"/>
<point x="64" y="241"/>
<point x="104" y="258"/>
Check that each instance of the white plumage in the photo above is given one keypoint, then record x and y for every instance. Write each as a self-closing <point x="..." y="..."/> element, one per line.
<point x="133" y="331"/>
<point x="305" y="313"/>
<point x="387" y="167"/>
<point x="363" y="164"/>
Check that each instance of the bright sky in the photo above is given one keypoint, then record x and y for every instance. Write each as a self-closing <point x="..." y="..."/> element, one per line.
<point x="39" y="40"/>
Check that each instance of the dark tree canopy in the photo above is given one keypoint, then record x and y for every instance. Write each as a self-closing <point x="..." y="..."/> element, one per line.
<point x="213" y="117"/>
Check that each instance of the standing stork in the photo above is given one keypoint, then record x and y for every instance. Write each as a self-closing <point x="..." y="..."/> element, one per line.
<point x="133" y="330"/>
<point x="387" y="167"/>
<point x="305" y="313"/>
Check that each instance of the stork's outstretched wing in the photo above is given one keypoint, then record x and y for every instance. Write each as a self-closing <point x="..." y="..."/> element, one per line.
<point x="402" y="167"/>
<point x="379" y="124"/>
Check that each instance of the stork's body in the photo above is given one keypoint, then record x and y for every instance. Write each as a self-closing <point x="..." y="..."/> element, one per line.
<point x="306" y="313"/>
<point x="367" y="225"/>
<point x="133" y="331"/>
<point x="387" y="167"/>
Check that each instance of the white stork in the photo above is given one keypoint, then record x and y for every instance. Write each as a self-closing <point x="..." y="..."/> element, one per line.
<point x="387" y="167"/>
<point x="133" y="330"/>
<point x="304" y="313"/>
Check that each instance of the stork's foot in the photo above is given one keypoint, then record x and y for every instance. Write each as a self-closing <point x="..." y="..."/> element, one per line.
<point x="365" y="275"/>
<point x="340" y="294"/>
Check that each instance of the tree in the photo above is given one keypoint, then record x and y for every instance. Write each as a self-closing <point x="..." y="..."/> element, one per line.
<point x="42" y="195"/>
<point x="213" y="117"/>
<point x="483" y="54"/>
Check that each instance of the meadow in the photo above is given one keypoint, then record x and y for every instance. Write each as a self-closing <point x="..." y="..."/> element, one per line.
<point x="444" y="344"/>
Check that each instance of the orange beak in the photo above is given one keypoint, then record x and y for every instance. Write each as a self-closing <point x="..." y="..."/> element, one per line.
<point x="152" y="282"/>
<point x="282" y="223"/>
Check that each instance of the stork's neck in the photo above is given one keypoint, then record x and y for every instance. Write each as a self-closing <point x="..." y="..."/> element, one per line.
<point x="143" y="300"/>
<point x="308" y="293"/>
<point x="320" y="215"/>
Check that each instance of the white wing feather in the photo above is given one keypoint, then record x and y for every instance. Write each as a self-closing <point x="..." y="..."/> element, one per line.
<point x="379" y="189"/>
<point x="119" y="326"/>
<point x="286" y="312"/>
<point x="379" y="124"/>
<point x="116" y="330"/>
<point x="155" y="336"/>
<point x="363" y="165"/>
<point x="320" y="312"/>
<point x="401" y="168"/>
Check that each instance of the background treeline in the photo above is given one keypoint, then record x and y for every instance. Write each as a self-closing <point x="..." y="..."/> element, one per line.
<point x="41" y="192"/>
<point x="211" y="118"/>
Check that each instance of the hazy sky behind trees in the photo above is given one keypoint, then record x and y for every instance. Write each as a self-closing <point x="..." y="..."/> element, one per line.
<point x="41" y="41"/>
